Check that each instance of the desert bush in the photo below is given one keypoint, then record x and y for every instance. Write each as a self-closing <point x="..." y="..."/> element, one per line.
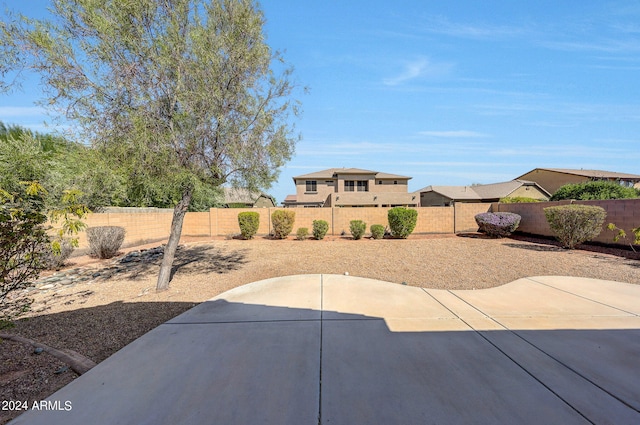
<point x="601" y="189"/>
<point x="498" y="224"/>
<point x="320" y="229"/>
<point x="357" y="228"/>
<point x="54" y="258"/>
<point x="23" y="240"/>
<point x="402" y="221"/>
<point x="105" y="241"/>
<point x="518" y="200"/>
<point x="249" y="221"/>
<point x="574" y="224"/>
<point x="302" y="233"/>
<point x="377" y="231"/>
<point x="282" y="221"/>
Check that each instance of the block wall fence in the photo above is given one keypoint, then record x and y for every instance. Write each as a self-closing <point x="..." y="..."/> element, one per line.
<point x="624" y="213"/>
<point x="151" y="226"/>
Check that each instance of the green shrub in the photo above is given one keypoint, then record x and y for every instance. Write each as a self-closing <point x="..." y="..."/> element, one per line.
<point x="23" y="240"/>
<point x="402" y="221"/>
<point x="357" y="228"/>
<point x="249" y="221"/>
<point x="302" y="233"/>
<point x="574" y="224"/>
<point x="518" y="200"/>
<point x="377" y="231"/>
<point x="105" y="241"/>
<point x="596" y="190"/>
<point x="320" y="229"/>
<point x="282" y="221"/>
<point x="499" y="224"/>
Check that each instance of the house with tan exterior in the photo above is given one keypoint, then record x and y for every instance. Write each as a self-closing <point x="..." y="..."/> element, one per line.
<point x="351" y="187"/>
<point x="551" y="179"/>
<point x="240" y="197"/>
<point x="439" y="196"/>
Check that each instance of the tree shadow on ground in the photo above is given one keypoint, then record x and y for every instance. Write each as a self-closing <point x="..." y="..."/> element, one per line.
<point x="534" y="247"/>
<point x="96" y="332"/>
<point x="191" y="259"/>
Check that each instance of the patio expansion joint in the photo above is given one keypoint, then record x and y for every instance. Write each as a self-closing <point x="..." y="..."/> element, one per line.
<point x="560" y="362"/>
<point x="582" y="296"/>
<point x="513" y="360"/>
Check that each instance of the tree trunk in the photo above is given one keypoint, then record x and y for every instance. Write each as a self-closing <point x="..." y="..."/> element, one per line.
<point x="172" y="245"/>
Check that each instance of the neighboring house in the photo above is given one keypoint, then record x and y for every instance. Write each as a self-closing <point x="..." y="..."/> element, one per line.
<point x="553" y="178"/>
<point x="437" y="196"/>
<point x="238" y="197"/>
<point x="351" y="187"/>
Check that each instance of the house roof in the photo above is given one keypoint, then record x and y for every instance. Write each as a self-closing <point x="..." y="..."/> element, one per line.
<point x="332" y="173"/>
<point x="234" y="195"/>
<point x="482" y="191"/>
<point x="594" y="174"/>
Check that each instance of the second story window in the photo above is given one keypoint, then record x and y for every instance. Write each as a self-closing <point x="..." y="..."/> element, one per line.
<point x="363" y="186"/>
<point x="311" y="186"/>
<point x="349" y="185"/>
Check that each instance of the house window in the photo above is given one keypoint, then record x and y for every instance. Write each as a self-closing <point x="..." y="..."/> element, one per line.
<point x="379" y="182"/>
<point x="349" y="185"/>
<point x="312" y="186"/>
<point x="363" y="186"/>
<point x="395" y="182"/>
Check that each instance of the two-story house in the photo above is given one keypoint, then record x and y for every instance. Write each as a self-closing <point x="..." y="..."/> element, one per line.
<point x="351" y="187"/>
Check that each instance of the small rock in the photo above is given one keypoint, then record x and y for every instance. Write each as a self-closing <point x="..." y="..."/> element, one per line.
<point x="45" y="287"/>
<point x="346" y="273"/>
<point x="66" y="282"/>
<point x="63" y="369"/>
<point x="38" y="350"/>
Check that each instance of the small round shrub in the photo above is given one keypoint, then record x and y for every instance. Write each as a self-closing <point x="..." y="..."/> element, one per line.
<point x="249" y="221"/>
<point x="498" y="225"/>
<point x="320" y="229"/>
<point x="357" y="228"/>
<point x="53" y="260"/>
<point x="302" y="233"/>
<point x="105" y="241"/>
<point x="402" y="221"/>
<point x="282" y="221"/>
<point x="377" y="231"/>
<point x="574" y="224"/>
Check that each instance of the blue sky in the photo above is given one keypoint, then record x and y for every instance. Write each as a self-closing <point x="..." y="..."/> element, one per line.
<point x="450" y="93"/>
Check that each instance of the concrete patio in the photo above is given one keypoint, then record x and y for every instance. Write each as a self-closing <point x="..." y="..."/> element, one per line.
<point x="329" y="349"/>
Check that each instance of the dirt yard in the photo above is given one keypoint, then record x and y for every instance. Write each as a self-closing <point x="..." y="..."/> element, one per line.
<point x="98" y="317"/>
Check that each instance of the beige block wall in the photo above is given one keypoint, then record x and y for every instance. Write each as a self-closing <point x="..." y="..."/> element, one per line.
<point x="371" y="215"/>
<point x="144" y="227"/>
<point x="435" y="220"/>
<point x="140" y="228"/>
<point x="224" y="221"/>
<point x="465" y="213"/>
<point x="624" y="213"/>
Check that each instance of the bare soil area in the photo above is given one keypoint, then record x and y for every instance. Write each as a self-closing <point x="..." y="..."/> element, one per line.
<point x="98" y="317"/>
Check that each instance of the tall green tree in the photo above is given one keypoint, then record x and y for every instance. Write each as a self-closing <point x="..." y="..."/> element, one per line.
<point x="186" y="91"/>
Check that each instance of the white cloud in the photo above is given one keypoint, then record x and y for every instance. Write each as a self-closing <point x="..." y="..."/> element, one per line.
<point x="441" y="25"/>
<point x="418" y="68"/>
<point x="453" y="134"/>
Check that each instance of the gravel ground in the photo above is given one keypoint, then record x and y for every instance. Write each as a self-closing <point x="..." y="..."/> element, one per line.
<point x="98" y="318"/>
